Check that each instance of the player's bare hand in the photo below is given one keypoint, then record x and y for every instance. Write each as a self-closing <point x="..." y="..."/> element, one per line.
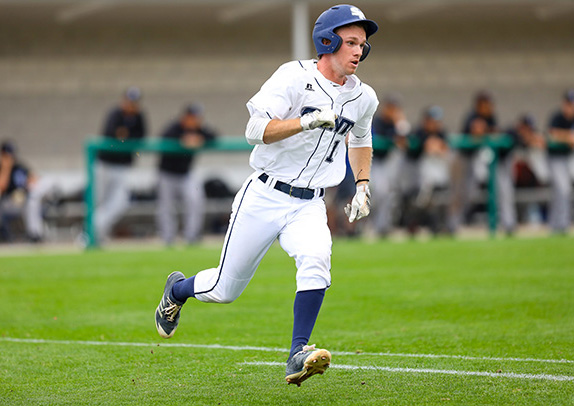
<point x="360" y="206"/>
<point x="192" y="140"/>
<point x="319" y="118"/>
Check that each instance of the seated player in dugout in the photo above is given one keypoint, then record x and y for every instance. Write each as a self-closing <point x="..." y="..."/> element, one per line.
<point x="21" y="194"/>
<point x="302" y="122"/>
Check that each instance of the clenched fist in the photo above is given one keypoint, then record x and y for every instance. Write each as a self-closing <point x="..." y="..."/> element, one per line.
<point x="319" y="118"/>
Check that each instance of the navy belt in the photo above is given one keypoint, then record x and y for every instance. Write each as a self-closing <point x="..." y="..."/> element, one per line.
<point x="299" y="192"/>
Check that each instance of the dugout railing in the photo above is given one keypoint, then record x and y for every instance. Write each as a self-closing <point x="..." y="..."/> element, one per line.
<point x="94" y="144"/>
<point x="466" y="142"/>
<point x="494" y="142"/>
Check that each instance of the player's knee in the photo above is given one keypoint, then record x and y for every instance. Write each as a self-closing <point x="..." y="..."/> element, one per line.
<point x="215" y="297"/>
<point x="226" y="300"/>
<point x="314" y="272"/>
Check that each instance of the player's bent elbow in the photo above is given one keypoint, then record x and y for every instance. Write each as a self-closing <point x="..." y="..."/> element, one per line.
<point x="256" y="129"/>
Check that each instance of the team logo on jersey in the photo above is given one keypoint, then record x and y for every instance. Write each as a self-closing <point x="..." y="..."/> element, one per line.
<point x="342" y="125"/>
<point x="309" y="87"/>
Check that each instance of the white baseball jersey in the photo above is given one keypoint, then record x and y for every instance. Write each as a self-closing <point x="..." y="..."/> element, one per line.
<point x="313" y="158"/>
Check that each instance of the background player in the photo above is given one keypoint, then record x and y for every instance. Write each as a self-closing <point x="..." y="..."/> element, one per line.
<point x="301" y="121"/>
<point x="123" y="122"/>
<point x="561" y="135"/>
<point x="177" y="180"/>
<point x="391" y="126"/>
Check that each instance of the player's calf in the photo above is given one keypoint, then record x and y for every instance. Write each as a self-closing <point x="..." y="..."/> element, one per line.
<point x="168" y="311"/>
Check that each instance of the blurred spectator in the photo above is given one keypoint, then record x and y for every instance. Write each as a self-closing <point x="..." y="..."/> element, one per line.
<point x="533" y="143"/>
<point x="390" y="129"/>
<point x="177" y="181"/>
<point x="523" y="135"/>
<point x="427" y="155"/>
<point x="124" y="122"/>
<point x="561" y="143"/>
<point x="530" y="164"/>
<point x="469" y="166"/>
<point x="21" y="194"/>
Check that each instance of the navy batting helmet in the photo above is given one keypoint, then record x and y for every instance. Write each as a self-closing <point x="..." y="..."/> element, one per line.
<point x="335" y="17"/>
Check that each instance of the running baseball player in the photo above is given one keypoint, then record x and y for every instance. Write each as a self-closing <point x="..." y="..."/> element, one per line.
<point x="302" y="120"/>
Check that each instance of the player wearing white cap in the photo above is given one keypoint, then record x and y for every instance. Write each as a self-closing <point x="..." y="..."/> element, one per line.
<point x="302" y="121"/>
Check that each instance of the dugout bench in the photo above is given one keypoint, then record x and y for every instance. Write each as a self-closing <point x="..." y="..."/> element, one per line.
<point x="494" y="142"/>
<point x="465" y="142"/>
<point x="150" y="145"/>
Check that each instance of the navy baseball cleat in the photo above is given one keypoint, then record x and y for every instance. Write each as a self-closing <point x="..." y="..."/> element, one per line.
<point x="168" y="310"/>
<point x="306" y="363"/>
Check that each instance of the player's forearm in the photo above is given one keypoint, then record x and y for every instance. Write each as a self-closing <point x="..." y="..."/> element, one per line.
<point x="261" y="130"/>
<point x="278" y="130"/>
<point x="561" y="135"/>
<point x="360" y="160"/>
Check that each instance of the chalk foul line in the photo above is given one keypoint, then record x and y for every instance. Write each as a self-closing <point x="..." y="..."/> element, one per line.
<point x="434" y="371"/>
<point x="284" y="350"/>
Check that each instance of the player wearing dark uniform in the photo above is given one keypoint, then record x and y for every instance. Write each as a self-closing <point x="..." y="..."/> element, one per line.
<point x="176" y="180"/>
<point x="479" y="122"/>
<point x="561" y="131"/>
<point x="125" y="122"/>
<point x="426" y="162"/>
<point x="15" y="179"/>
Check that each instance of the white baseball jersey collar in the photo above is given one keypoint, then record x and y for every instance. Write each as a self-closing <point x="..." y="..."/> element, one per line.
<point x="352" y="84"/>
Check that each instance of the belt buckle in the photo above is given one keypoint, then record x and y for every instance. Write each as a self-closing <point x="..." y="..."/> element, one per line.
<point x="290" y="190"/>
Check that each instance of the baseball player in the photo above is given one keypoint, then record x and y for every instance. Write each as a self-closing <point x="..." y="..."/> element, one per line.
<point x="302" y="120"/>
<point x="178" y="180"/>
<point x="561" y="133"/>
<point x="21" y="192"/>
<point x="126" y="121"/>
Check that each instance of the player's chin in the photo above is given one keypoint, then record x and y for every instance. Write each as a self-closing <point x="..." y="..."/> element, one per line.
<point x="352" y="68"/>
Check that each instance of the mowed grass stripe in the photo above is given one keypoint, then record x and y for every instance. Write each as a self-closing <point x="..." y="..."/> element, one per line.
<point x="433" y="371"/>
<point x="271" y="349"/>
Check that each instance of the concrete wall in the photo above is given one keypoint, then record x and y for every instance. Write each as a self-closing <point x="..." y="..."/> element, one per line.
<point x="57" y="79"/>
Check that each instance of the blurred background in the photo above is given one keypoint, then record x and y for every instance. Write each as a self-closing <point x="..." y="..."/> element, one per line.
<point x="63" y="64"/>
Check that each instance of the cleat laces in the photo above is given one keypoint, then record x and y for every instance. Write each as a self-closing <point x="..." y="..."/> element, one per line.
<point x="171" y="310"/>
<point x="307" y="348"/>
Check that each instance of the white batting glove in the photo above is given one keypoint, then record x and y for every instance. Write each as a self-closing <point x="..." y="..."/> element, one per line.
<point x="319" y="118"/>
<point x="360" y="206"/>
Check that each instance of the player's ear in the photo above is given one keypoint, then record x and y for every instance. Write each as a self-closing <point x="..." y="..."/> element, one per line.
<point x="326" y="41"/>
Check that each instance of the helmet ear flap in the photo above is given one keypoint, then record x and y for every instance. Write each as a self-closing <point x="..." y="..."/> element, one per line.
<point x="366" y="50"/>
<point x="338" y="41"/>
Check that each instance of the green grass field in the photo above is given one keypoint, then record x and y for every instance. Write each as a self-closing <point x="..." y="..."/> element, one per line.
<point x="487" y="322"/>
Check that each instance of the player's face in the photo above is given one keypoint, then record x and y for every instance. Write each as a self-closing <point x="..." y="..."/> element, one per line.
<point x="346" y="59"/>
<point x="568" y="109"/>
<point x="191" y="122"/>
<point x="129" y="106"/>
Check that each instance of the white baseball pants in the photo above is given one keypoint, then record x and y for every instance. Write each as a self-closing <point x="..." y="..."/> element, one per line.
<point x="260" y="215"/>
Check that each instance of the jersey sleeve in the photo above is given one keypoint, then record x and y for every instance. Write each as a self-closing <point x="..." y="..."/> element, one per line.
<point x="361" y="134"/>
<point x="276" y="97"/>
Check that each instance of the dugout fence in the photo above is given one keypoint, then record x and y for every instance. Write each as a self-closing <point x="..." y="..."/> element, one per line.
<point x="494" y="143"/>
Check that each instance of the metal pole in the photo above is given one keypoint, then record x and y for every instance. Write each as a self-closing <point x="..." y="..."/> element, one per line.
<point x="90" y="196"/>
<point x="492" y="209"/>
<point x="300" y="32"/>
